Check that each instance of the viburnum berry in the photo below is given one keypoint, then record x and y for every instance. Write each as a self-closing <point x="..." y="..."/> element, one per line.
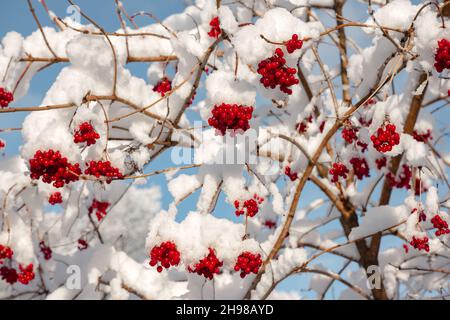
<point x="163" y="86"/>
<point x="46" y="251"/>
<point x="292" y="175"/>
<point x="5" y="252"/>
<point x="349" y="134"/>
<point x="26" y="274"/>
<point x="215" y="28"/>
<point x="386" y="138"/>
<point x="82" y="244"/>
<point x="293" y="44"/>
<point x="250" y="207"/>
<point x="165" y="255"/>
<point x="8" y="274"/>
<point x="6" y="98"/>
<point x="53" y="167"/>
<point x="275" y="73"/>
<point x="442" y="55"/>
<point x="247" y="263"/>
<point x="421" y="214"/>
<point x="419" y="187"/>
<point x="406" y="248"/>
<point x="230" y="117"/>
<point x="208" y="266"/>
<point x="55" y="198"/>
<point x="362" y="145"/>
<point x="2" y="144"/>
<point x="404" y="178"/>
<point x="322" y="126"/>
<point x="302" y="126"/>
<point x="85" y="133"/>
<point x="360" y="167"/>
<point x="100" y="208"/>
<point x="420" y="243"/>
<point x="381" y="162"/>
<point x="338" y="170"/>
<point x="441" y="225"/>
<point x="270" y="224"/>
<point x="422" y="137"/>
<point x="103" y="169"/>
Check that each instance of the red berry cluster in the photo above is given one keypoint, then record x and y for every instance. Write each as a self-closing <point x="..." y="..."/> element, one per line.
<point x="422" y="137"/>
<point x="55" y="198"/>
<point x="293" y="44"/>
<point x="163" y="86"/>
<point x="53" y="167"/>
<point x="11" y="276"/>
<point x="404" y="178"/>
<point x="362" y="145"/>
<point x="247" y="263"/>
<point x="208" y="266"/>
<point x="421" y="213"/>
<point x="338" y="170"/>
<point x="5" y="253"/>
<point x="103" y="169"/>
<point x="441" y="225"/>
<point x="82" y="244"/>
<point x="442" y="55"/>
<point x="386" y="138"/>
<point x="360" y="167"/>
<point x="303" y="126"/>
<point x="5" y="97"/>
<point x="215" y="28"/>
<point x="85" y="133"/>
<point x="275" y="73"/>
<point x="292" y="175"/>
<point x="46" y="251"/>
<point x="381" y="162"/>
<point x="166" y="255"/>
<point x="230" y="116"/>
<point x="250" y="206"/>
<point x="100" y="208"/>
<point x="420" y="244"/>
<point x="270" y="224"/>
<point x="349" y="134"/>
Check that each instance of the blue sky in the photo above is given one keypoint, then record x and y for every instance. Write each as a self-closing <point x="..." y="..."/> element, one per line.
<point x="16" y="16"/>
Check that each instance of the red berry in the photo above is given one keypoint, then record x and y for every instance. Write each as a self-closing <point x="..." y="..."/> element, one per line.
<point x="338" y="170"/>
<point x="250" y="207"/>
<point x="100" y="208"/>
<point x="46" y="251"/>
<point x="270" y="224"/>
<point x="208" y="266"/>
<point x="360" y="167"/>
<point x="381" y="162"/>
<point x="292" y="175"/>
<point x="302" y="127"/>
<point x="230" y="117"/>
<point x="26" y="274"/>
<point x="349" y="134"/>
<point x="247" y="263"/>
<point x="166" y="255"/>
<point x="442" y="55"/>
<point x="85" y="133"/>
<point x="6" y="98"/>
<point x="2" y="144"/>
<point x="385" y="138"/>
<point x="275" y="73"/>
<point x="163" y="86"/>
<point x="55" y="198"/>
<point x="215" y="28"/>
<point x="103" y="169"/>
<point x="82" y="244"/>
<point x="293" y="44"/>
<point x="52" y="167"/>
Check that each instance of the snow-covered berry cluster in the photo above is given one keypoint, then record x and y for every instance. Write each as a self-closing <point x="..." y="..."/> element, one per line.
<point x="165" y="255"/>
<point x="385" y="138"/>
<point x="208" y="266"/>
<point x="46" y="250"/>
<point x="360" y="167"/>
<point x="215" y="28"/>
<point x="51" y="166"/>
<point x="293" y="44"/>
<point x="302" y="126"/>
<point x="338" y="170"/>
<point x="82" y="244"/>
<point x="381" y="162"/>
<point x="5" y="253"/>
<point x="85" y="133"/>
<point x="6" y="98"/>
<point x="247" y="263"/>
<point x="442" y="55"/>
<point x="440" y="224"/>
<point x="163" y="86"/>
<point x="349" y="134"/>
<point x="100" y="208"/>
<point x="249" y="207"/>
<point x="55" y="198"/>
<point x="103" y="169"/>
<point x="420" y="243"/>
<point x="275" y="73"/>
<point x="10" y="274"/>
<point x="230" y="117"/>
<point x="403" y="180"/>
<point x="422" y="136"/>
<point x="291" y="174"/>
